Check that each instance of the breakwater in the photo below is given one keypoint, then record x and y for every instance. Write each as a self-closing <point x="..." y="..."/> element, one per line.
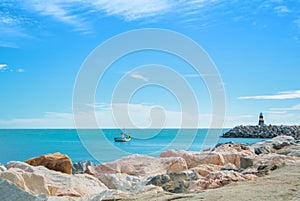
<point x="266" y="131"/>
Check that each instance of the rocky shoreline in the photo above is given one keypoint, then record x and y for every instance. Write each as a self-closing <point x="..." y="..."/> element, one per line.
<point x="175" y="173"/>
<point x="266" y="131"/>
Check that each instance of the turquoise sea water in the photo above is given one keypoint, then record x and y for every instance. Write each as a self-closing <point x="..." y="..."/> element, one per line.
<point x="98" y="145"/>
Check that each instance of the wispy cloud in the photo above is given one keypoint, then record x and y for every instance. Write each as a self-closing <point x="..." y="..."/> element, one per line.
<point x="280" y="96"/>
<point x="69" y="12"/>
<point x="139" y="76"/>
<point x="20" y="70"/>
<point x="3" y="67"/>
<point x="134" y="9"/>
<point x="293" y="108"/>
<point x="282" y="9"/>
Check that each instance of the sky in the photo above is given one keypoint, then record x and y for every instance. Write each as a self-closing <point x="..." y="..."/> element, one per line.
<point x="255" y="46"/>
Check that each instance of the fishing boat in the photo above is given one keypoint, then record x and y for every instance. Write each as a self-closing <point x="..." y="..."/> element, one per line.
<point x="124" y="137"/>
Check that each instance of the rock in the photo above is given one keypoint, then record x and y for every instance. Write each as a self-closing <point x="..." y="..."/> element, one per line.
<point x="228" y="166"/>
<point x="295" y="153"/>
<point x="56" y="161"/>
<point x="123" y="182"/>
<point x="246" y="162"/>
<point x="269" y="162"/>
<point x="139" y="165"/>
<point x="264" y="147"/>
<point x="29" y="182"/>
<point x="10" y="192"/>
<point x="283" y="138"/>
<point x="60" y="184"/>
<point x="216" y="180"/>
<point x="81" y="167"/>
<point x="205" y="169"/>
<point x="2" y="168"/>
<point x="220" y="155"/>
<point x="233" y="152"/>
<point x="174" y="182"/>
<point x="193" y="159"/>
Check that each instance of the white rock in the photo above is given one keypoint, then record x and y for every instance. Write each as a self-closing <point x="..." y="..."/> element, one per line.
<point x="123" y="182"/>
<point x="10" y="192"/>
<point x="60" y="184"/>
<point x="283" y="138"/>
<point x="295" y="153"/>
<point x="30" y="182"/>
<point x="2" y="168"/>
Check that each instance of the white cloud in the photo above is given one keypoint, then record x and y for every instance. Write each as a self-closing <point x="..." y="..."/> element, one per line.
<point x="139" y="76"/>
<point x="280" y="96"/>
<point x="3" y="67"/>
<point x="293" y="108"/>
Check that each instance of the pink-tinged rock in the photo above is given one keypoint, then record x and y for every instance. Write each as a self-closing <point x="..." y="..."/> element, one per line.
<point x="140" y="165"/>
<point x="205" y="169"/>
<point x="193" y="159"/>
<point x="233" y="152"/>
<point x="59" y="184"/>
<point x="274" y="160"/>
<point x="57" y="161"/>
<point x="216" y="180"/>
<point x="27" y="181"/>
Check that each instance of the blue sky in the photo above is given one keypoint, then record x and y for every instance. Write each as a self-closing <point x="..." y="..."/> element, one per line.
<point x="255" y="46"/>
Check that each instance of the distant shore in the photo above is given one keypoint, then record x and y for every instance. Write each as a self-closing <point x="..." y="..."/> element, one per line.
<point x="266" y="131"/>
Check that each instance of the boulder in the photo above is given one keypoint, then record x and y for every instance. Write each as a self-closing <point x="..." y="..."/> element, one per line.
<point x="60" y="184"/>
<point x="2" y="168"/>
<point x="81" y="167"/>
<point x="205" y="169"/>
<point x="123" y="182"/>
<point x="174" y="182"/>
<point x="272" y="161"/>
<point x="29" y="182"/>
<point x="246" y="162"/>
<point x="233" y="152"/>
<point x="57" y="161"/>
<point x="295" y="153"/>
<point x="220" y="155"/>
<point x="9" y="191"/>
<point x="194" y="159"/>
<point x="139" y="165"/>
<point x="283" y="138"/>
<point x="216" y="180"/>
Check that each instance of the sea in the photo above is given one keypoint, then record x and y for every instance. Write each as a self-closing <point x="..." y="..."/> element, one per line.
<point x="98" y="146"/>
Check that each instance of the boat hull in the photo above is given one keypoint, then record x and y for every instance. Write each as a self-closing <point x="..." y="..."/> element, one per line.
<point x="121" y="139"/>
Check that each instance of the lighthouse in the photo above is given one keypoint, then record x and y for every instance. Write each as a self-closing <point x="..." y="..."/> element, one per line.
<point x="261" y="120"/>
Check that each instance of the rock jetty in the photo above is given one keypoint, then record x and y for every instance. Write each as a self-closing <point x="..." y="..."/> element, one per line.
<point x="269" y="131"/>
<point x="173" y="172"/>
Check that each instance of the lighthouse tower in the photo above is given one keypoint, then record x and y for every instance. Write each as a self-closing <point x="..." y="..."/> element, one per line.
<point x="261" y="121"/>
